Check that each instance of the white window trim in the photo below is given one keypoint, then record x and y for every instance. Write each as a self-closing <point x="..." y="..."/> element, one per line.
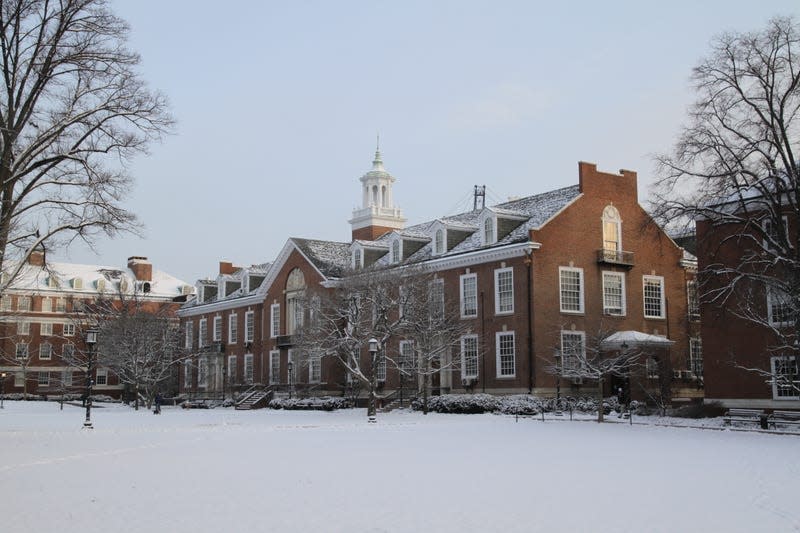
<point x="582" y="335"/>
<point x="581" y="300"/>
<point x="436" y="250"/>
<point x="68" y="330"/>
<point x="624" y="303"/>
<point x="768" y="221"/>
<point x="202" y="327"/>
<point x="773" y="363"/>
<point x="493" y="240"/>
<point x="462" y="278"/>
<point x="399" y="243"/>
<point x="231" y="370"/>
<point x="42" y="356"/>
<point x="216" y="332"/>
<point x="772" y="322"/>
<point x="312" y="361"/>
<point x="498" y="367"/>
<point x="46" y="329"/>
<point x="497" y="273"/>
<point x="274" y="320"/>
<point x="233" y="326"/>
<point x="189" y="335"/>
<point x="660" y="279"/>
<point x="249" y="326"/>
<point x="692" y="285"/>
<point x="464" y="374"/>
<point x="248" y="377"/>
<point x="274" y="377"/>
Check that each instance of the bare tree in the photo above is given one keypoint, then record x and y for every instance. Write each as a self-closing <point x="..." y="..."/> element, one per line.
<point x="343" y="319"/>
<point x="72" y="112"/>
<point x="735" y="169"/>
<point x="139" y="342"/>
<point x="432" y="323"/>
<point x="594" y="359"/>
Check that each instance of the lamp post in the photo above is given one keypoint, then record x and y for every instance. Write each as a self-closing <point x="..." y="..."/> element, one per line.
<point x="2" y="388"/>
<point x="371" y="409"/>
<point x="91" y="340"/>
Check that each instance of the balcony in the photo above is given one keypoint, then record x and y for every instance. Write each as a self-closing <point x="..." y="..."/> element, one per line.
<point x="284" y="341"/>
<point x="615" y="257"/>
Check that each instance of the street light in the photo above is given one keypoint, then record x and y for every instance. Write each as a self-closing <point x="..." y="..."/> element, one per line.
<point x="290" y="366"/>
<point x="373" y="350"/>
<point x="91" y="340"/>
<point x="2" y="388"/>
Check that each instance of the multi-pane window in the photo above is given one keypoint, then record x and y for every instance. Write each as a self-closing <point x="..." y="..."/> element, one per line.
<point x="396" y="251"/>
<point x="22" y="350"/>
<point x="187" y="374"/>
<point x="68" y="352"/>
<point x="69" y="330"/>
<point x="612" y="225"/>
<point x="506" y="354"/>
<point x="775" y="234"/>
<point x="696" y="356"/>
<point x="488" y="231"/>
<point x="47" y="305"/>
<point x="469" y="295"/>
<point x="202" y="333"/>
<point x="571" y="289"/>
<point x="275" y="320"/>
<point x="437" y="298"/>
<point x="61" y="305"/>
<point x="314" y="369"/>
<point x="23" y="303"/>
<point x="614" y="293"/>
<point x="45" y="329"/>
<point x="248" y="368"/>
<point x="45" y="350"/>
<point x="66" y="378"/>
<point x="653" y="296"/>
<point x="651" y="367"/>
<point x="23" y="328"/>
<point x="407" y="359"/>
<point x="217" y="333"/>
<point x="504" y="290"/>
<point x="189" y="335"/>
<point x="779" y="308"/>
<point x="202" y="372"/>
<point x="249" y="326"/>
<point x="469" y="356"/>
<point x="233" y="328"/>
<point x="573" y="351"/>
<point x="439" y="241"/>
<point x="231" y="369"/>
<point x="692" y="300"/>
<point x="785" y="379"/>
<point x="101" y="376"/>
<point x="5" y="303"/>
<point x="357" y="258"/>
<point x="380" y="366"/>
<point x="44" y="379"/>
<point x="294" y="308"/>
<point x="274" y="367"/>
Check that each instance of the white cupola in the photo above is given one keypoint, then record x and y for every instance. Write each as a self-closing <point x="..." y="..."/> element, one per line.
<point x="378" y="214"/>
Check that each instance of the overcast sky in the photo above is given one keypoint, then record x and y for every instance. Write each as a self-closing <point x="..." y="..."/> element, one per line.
<point x="278" y="105"/>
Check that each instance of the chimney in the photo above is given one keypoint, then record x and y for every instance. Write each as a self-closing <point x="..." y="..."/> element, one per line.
<point x="226" y="267"/>
<point x="141" y="267"/>
<point x="36" y="258"/>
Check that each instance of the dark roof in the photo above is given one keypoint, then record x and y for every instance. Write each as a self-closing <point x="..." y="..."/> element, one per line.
<point x="329" y="257"/>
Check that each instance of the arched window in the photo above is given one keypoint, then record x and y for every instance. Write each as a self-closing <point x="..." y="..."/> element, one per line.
<point x="295" y="290"/>
<point x="383" y="196"/>
<point x="357" y="258"/>
<point x="439" y="241"/>
<point x="488" y="231"/>
<point x="612" y="229"/>
<point x="375" y="195"/>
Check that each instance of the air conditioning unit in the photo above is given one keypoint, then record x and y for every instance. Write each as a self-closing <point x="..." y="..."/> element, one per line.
<point x="577" y="381"/>
<point x="469" y="382"/>
<point x="676" y="374"/>
<point x="687" y="374"/>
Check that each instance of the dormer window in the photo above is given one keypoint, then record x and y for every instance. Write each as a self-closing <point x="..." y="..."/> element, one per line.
<point x="438" y="240"/>
<point x="52" y="282"/>
<point x="358" y="259"/>
<point x="77" y="283"/>
<point x="488" y="231"/>
<point x="101" y="285"/>
<point x="146" y="287"/>
<point x="396" y="251"/>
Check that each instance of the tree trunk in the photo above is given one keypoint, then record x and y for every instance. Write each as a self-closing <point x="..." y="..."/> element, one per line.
<point x="135" y="396"/>
<point x="425" y="378"/>
<point x="600" y="399"/>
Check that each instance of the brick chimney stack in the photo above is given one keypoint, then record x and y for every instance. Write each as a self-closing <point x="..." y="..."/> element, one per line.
<point x="226" y="267"/>
<point x="36" y="258"/>
<point x="141" y="267"/>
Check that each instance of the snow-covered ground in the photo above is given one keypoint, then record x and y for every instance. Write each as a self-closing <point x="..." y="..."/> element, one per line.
<point x="251" y="471"/>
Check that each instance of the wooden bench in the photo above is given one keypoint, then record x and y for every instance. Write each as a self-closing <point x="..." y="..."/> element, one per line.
<point x="744" y="415"/>
<point x="784" y="418"/>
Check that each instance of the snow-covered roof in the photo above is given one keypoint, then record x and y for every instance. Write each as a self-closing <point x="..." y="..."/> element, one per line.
<point x="635" y="339"/>
<point x="95" y="279"/>
<point x="329" y="257"/>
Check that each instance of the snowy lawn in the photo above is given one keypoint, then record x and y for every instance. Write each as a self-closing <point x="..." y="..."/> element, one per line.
<point x="249" y="471"/>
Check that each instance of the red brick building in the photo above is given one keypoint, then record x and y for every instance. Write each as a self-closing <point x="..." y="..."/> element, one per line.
<point x="748" y="331"/>
<point x="43" y="322"/>
<point x="532" y="276"/>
